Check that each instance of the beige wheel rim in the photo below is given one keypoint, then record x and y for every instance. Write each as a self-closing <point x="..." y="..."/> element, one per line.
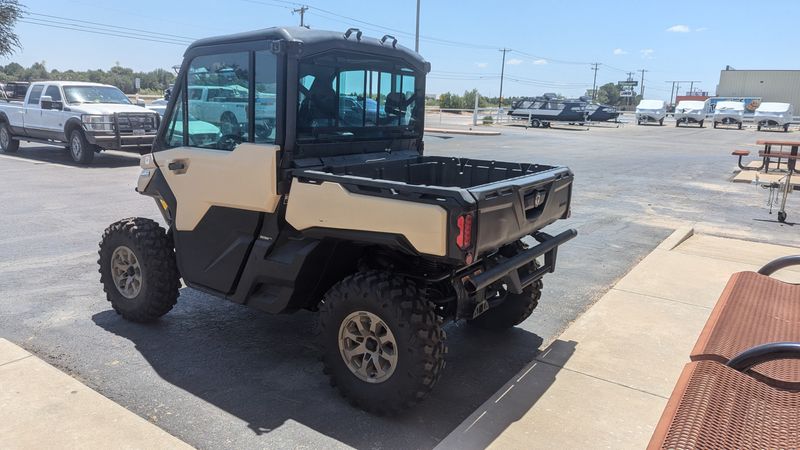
<point x="126" y="272"/>
<point x="368" y="347"/>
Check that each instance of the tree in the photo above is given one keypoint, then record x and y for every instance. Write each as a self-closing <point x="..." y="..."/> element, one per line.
<point x="10" y="12"/>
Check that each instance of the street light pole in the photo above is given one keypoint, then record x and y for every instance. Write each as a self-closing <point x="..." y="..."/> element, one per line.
<point x="416" y="42"/>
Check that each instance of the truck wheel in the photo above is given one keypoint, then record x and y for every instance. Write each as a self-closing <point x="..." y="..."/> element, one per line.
<point x="701" y="124"/>
<point x="535" y="123"/>
<point x="81" y="151"/>
<point x="740" y="125"/>
<point x="786" y="128"/>
<point x="661" y="123"/>
<point x="7" y="143"/>
<point x="382" y="344"/>
<point x="138" y="269"/>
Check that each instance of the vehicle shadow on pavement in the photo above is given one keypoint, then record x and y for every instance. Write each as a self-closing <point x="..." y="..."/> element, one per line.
<point x="60" y="155"/>
<point x="265" y="370"/>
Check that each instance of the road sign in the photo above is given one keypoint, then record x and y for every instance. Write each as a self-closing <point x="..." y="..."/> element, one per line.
<point x="631" y="83"/>
<point x="626" y="94"/>
<point x="137" y="83"/>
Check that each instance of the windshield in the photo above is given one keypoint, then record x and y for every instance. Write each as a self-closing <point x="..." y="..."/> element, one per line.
<point x="354" y="97"/>
<point x="95" y="94"/>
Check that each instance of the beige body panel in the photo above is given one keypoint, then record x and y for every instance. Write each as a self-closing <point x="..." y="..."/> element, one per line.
<point x="245" y="178"/>
<point x="332" y="206"/>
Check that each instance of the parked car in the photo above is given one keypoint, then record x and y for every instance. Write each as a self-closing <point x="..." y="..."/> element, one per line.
<point x="651" y="111"/>
<point x="773" y="114"/>
<point x="159" y="106"/>
<point x="691" y="111"/>
<point x="729" y="113"/>
<point x="84" y="117"/>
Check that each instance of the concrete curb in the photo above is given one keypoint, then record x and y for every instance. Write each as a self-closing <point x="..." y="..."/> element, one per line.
<point x="464" y="132"/>
<point x="42" y="407"/>
<point x="676" y="238"/>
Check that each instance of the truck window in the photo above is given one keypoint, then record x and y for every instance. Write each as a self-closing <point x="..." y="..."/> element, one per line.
<point x="36" y="94"/>
<point x="337" y="99"/>
<point x="54" y="92"/>
<point x="226" y="78"/>
<point x="266" y="94"/>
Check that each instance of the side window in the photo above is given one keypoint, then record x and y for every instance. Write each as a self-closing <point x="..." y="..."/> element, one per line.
<point x="54" y="92"/>
<point x="352" y="95"/>
<point x="224" y="113"/>
<point x="266" y="95"/>
<point x="36" y="94"/>
<point x="174" y="136"/>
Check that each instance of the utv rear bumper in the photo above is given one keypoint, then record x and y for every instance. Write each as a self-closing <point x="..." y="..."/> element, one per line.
<point x="472" y="288"/>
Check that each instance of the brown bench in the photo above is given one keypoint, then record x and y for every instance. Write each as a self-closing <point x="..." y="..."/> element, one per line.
<point x="742" y="389"/>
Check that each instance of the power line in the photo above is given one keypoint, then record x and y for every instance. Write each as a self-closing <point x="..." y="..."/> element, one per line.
<point x="114" y="27"/>
<point x="105" y="33"/>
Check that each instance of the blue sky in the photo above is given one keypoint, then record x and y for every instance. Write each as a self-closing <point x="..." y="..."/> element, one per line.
<point x="553" y="43"/>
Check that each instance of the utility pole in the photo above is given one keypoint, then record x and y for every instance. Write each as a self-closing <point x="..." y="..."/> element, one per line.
<point x="641" y="88"/>
<point x="502" y="74"/>
<point x="416" y="42"/>
<point x="302" y="10"/>
<point x="676" y="85"/>
<point x="595" y="67"/>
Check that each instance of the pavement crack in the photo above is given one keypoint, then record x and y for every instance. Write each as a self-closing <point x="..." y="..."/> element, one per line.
<point x="15" y="360"/>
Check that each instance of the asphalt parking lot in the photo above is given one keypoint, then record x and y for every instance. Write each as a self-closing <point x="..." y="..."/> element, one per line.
<point x="218" y="375"/>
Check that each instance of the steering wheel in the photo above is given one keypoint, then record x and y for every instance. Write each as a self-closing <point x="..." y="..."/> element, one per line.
<point x="228" y="141"/>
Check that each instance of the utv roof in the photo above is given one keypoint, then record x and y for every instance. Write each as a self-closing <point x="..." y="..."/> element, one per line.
<point x="315" y="41"/>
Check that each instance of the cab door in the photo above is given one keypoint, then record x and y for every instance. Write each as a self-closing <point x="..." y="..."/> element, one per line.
<point x="53" y="119"/>
<point x="222" y="181"/>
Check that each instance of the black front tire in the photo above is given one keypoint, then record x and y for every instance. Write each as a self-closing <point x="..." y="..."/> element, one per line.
<point x="661" y="123"/>
<point x="781" y="216"/>
<point x="420" y="341"/>
<point x="159" y="277"/>
<point x="7" y="142"/>
<point x="80" y="149"/>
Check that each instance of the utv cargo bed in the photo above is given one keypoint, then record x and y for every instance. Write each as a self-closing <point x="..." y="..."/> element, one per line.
<point x="514" y="199"/>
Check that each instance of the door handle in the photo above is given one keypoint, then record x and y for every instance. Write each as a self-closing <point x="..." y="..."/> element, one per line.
<point x="176" y="166"/>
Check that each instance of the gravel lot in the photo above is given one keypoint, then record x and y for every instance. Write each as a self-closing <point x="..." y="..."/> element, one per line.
<point x="219" y="375"/>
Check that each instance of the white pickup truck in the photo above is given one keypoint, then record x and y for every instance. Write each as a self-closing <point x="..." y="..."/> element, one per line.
<point x="84" y="117"/>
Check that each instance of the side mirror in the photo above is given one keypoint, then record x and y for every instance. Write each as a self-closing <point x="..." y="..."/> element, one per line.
<point x="47" y="102"/>
<point x="141" y="103"/>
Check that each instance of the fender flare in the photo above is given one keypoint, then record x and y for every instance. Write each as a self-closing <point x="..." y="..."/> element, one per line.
<point x="71" y="123"/>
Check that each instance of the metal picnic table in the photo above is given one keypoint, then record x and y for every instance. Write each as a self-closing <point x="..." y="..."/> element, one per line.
<point x="773" y="151"/>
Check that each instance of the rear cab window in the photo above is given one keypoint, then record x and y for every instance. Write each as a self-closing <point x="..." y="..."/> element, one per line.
<point x="36" y="94"/>
<point x="339" y="99"/>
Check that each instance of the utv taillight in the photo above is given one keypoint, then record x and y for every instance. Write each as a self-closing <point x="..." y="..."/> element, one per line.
<point x="464" y="237"/>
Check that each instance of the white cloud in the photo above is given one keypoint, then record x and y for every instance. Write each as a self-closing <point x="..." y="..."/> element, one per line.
<point x="619" y="51"/>
<point x="514" y="62"/>
<point x="647" y="53"/>
<point x="540" y="62"/>
<point x="679" y="29"/>
<point x="701" y="29"/>
<point x="482" y="65"/>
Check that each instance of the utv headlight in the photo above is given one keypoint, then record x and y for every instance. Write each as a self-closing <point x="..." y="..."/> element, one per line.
<point x="97" y="122"/>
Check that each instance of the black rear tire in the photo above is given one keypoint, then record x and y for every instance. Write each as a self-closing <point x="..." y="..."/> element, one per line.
<point x="7" y="143"/>
<point x="159" y="279"/>
<point x="411" y="320"/>
<point x="80" y="150"/>
<point x="514" y="309"/>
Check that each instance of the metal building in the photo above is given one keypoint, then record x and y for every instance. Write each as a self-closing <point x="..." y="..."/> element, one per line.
<point x="771" y="85"/>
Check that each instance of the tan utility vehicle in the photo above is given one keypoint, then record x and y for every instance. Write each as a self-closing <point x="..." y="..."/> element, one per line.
<point x="330" y="205"/>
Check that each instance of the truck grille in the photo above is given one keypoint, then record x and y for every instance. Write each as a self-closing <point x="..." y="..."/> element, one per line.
<point x="136" y="121"/>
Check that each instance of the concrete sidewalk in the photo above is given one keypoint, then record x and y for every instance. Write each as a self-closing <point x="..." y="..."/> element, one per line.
<point x="606" y="380"/>
<point x="42" y="407"/>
